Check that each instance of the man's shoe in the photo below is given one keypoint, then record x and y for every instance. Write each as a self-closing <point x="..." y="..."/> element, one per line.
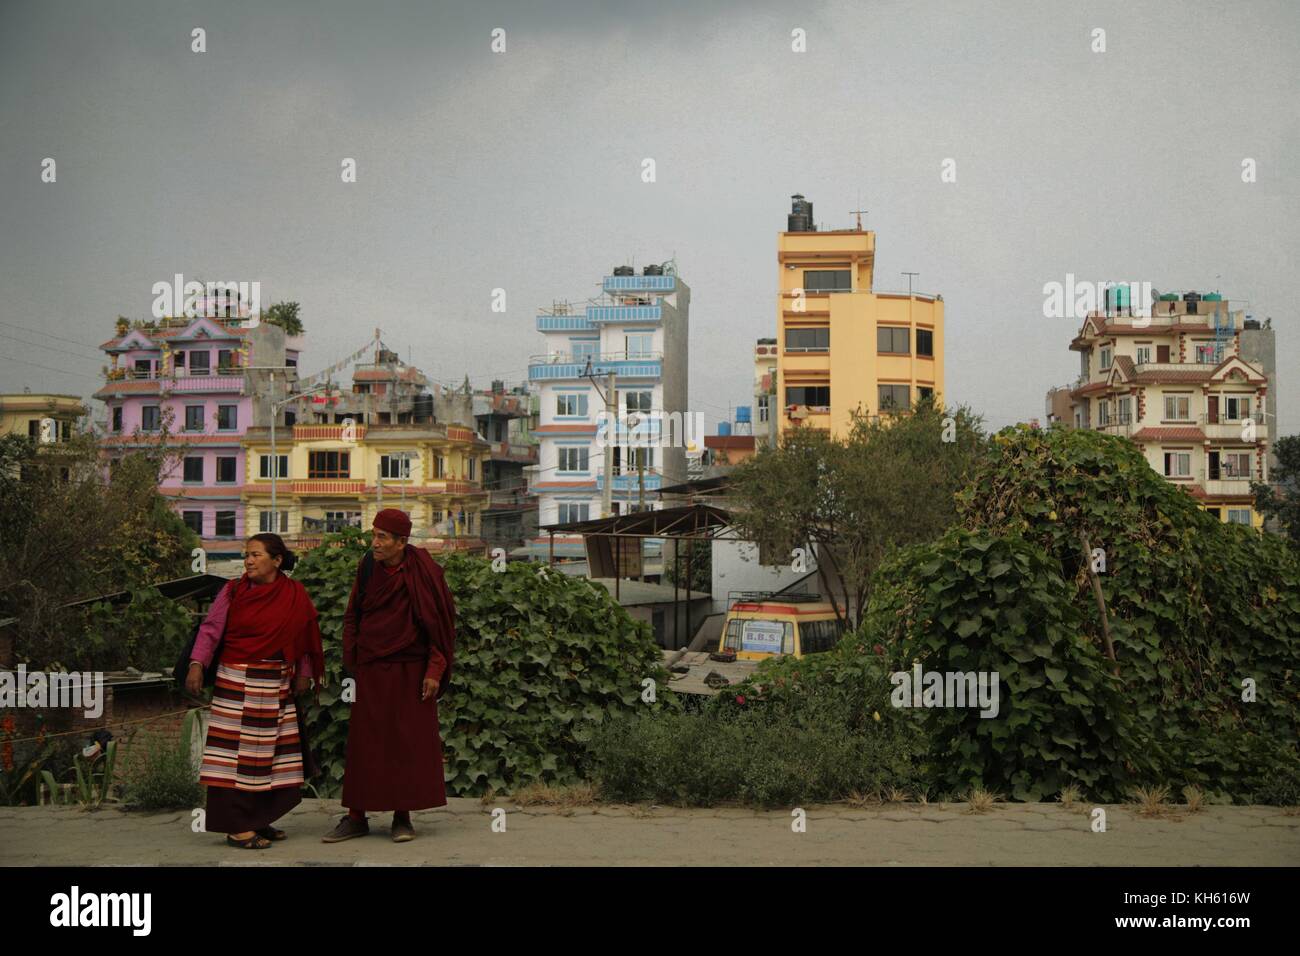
<point x="402" y="831"/>
<point x="346" y="830"/>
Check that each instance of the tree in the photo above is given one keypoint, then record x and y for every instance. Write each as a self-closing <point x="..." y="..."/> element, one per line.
<point x="1281" y="501"/>
<point x="71" y="528"/>
<point x="851" y="501"/>
<point x="285" y="315"/>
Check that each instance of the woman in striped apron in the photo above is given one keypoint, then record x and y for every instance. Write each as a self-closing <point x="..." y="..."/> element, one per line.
<point x="255" y="752"/>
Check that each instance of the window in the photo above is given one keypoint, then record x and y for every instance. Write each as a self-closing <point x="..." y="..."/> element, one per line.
<point x="1236" y="408"/>
<point x="573" y="459"/>
<point x="585" y="349"/>
<point x="225" y="524"/>
<point x="817" y="636"/>
<point x="227" y="418"/>
<point x="439" y="466"/>
<point x="193" y="520"/>
<point x="1235" y="464"/>
<point x="807" y="340"/>
<point x="764" y="408"/>
<point x="1125" y="411"/>
<point x="815" y="395"/>
<point x="264" y="522"/>
<point x="290" y="419"/>
<point x="33" y="428"/>
<point x="150" y="418"/>
<point x="925" y="342"/>
<point x="924" y="392"/>
<point x="1106" y="354"/>
<point x="637" y="401"/>
<point x="471" y="465"/>
<point x="1205" y="354"/>
<point x="1239" y="516"/>
<point x="571" y="404"/>
<point x="226" y="471"/>
<point x="639" y="344"/>
<point x="328" y="464"/>
<point x="636" y="458"/>
<point x="827" y="280"/>
<point x="1103" y="412"/>
<point x="117" y="419"/>
<point x="264" y="466"/>
<point x="1143" y="354"/>
<point x="1178" y="464"/>
<point x="573" y="511"/>
<point x="200" y="363"/>
<point x="1176" y="408"/>
<point x="1217" y="512"/>
<point x="893" y="397"/>
<point x="194" y="418"/>
<point x="178" y="360"/>
<point x="225" y="359"/>
<point x="143" y="368"/>
<point x="338" y="520"/>
<point x="892" y="341"/>
<point x="394" y="466"/>
<point x="194" y="469"/>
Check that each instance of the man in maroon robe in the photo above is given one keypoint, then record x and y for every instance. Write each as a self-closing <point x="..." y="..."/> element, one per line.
<point x="398" y="642"/>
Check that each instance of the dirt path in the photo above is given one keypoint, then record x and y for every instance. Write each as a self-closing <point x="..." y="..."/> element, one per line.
<point x="605" y="835"/>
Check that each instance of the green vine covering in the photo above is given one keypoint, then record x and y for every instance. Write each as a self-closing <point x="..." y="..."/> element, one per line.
<point x="542" y="659"/>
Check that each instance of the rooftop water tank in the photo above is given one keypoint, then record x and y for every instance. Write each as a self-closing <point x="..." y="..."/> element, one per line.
<point x="1117" y="297"/>
<point x="653" y="270"/>
<point x="624" y="271"/>
<point x="724" y="428"/>
<point x="423" y="408"/>
<point x="742" y="413"/>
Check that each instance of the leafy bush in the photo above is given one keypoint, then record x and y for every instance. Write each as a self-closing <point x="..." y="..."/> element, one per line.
<point x="1194" y="607"/>
<point x="165" y="775"/>
<point x="148" y="633"/>
<point x="542" y="659"/>
<point x="809" y="730"/>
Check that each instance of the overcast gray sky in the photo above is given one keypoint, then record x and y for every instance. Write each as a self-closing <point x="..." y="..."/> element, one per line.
<point x="522" y="170"/>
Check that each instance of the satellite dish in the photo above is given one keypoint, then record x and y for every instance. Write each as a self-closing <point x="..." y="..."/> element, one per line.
<point x="670" y="267"/>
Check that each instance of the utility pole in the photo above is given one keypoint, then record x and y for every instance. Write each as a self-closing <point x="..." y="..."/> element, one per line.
<point x="610" y="397"/>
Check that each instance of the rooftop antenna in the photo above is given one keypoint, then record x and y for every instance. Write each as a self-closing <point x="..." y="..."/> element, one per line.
<point x="858" y="212"/>
<point x="909" y="280"/>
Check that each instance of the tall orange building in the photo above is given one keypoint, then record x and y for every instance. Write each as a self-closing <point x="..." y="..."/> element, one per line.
<point x="843" y="347"/>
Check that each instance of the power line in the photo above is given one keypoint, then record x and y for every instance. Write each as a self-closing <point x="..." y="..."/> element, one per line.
<point x="47" y="368"/>
<point x="51" y="335"/>
<point x="37" y="345"/>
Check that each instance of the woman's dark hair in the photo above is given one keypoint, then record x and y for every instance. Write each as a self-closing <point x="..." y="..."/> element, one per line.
<point x="276" y="548"/>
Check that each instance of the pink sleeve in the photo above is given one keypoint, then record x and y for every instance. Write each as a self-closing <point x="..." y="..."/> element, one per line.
<point x="304" y="666"/>
<point x="210" y="631"/>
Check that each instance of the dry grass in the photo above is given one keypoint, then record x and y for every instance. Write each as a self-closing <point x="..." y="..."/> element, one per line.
<point x="857" y="798"/>
<point x="1152" y="801"/>
<point x="981" y="800"/>
<point x="546" y="795"/>
<point x="895" y="795"/>
<point x="1195" y="799"/>
<point x="1069" y="796"/>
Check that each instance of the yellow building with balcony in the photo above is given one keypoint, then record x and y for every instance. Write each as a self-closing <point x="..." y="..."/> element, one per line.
<point x="845" y="348"/>
<point x="332" y="476"/>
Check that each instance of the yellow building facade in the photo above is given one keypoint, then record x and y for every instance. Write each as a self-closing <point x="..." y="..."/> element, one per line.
<point x="45" y="417"/>
<point x="843" y="347"/>
<point x="332" y="476"/>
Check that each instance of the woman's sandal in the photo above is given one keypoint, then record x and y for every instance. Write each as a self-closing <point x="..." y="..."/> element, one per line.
<point x="271" y="833"/>
<point x="255" y="842"/>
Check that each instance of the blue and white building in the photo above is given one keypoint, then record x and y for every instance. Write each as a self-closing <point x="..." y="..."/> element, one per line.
<point x="638" y="330"/>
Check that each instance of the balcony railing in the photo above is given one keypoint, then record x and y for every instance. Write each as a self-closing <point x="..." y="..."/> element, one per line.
<point x="639" y="283"/>
<point x="625" y="313"/>
<point x="567" y="365"/>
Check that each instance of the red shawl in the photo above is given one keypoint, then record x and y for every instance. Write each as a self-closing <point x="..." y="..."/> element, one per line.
<point x="269" y="619"/>
<point x="432" y="608"/>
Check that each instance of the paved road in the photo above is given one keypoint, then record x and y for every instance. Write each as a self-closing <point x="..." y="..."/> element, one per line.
<point x="612" y="835"/>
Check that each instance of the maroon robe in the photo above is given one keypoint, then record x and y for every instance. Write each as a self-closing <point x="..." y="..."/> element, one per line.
<point x="394" y="751"/>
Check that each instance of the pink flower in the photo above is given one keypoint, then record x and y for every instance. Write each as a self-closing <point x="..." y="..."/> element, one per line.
<point x="740" y="698"/>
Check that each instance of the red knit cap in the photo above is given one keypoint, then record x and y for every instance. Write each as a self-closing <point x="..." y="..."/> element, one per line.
<point x="394" y="522"/>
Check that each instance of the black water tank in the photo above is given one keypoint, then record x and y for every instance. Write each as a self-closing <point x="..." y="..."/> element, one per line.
<point x="801" y="215"/>
<point x="653" y="270"/>
<point x="624" y="271"/>
<point x="423" y="410"/>
<point x="1191" y="298"/>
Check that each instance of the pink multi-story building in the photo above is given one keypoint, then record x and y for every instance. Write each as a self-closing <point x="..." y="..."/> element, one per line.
<point x="206" y="380"/>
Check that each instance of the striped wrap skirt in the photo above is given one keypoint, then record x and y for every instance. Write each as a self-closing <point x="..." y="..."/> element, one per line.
<point x="253" y="743"/>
